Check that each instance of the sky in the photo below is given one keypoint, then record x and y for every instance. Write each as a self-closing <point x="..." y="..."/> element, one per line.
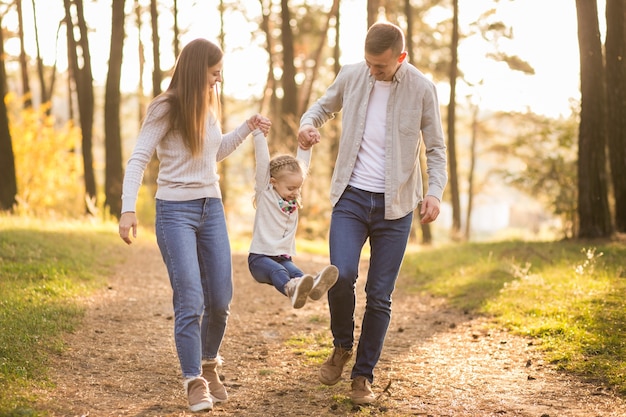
<point x="545" y="35"/>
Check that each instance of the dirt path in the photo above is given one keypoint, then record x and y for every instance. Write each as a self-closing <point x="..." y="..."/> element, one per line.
<point x="436" y="361"/>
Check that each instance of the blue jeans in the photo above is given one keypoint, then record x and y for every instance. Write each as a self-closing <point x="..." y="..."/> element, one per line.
<point x="194" y="244"/>
<point x="273" y="270"/>
<point x="357" y="216"/>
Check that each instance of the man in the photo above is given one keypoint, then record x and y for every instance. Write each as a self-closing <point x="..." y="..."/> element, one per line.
<point x="388" y="107"/>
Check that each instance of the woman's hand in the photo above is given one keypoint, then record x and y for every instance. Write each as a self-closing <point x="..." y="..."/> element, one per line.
<point x="128" y="222"/>
<point x="259" y="122"/>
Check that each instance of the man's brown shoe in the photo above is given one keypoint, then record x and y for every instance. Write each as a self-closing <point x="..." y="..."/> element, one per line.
<point x="361" y="391"/>
<point x="330" y="372"/>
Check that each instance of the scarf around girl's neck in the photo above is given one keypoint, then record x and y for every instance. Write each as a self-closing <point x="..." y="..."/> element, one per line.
<point x="288" y="206"/>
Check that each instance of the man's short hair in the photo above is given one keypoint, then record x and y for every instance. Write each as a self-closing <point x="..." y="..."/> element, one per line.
<point x="382" y="36"/>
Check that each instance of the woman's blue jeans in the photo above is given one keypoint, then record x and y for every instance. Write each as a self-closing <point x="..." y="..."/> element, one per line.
<point x="273" y="270"/>
<point x="193" y="240"/>
<point x="357" y="216"/>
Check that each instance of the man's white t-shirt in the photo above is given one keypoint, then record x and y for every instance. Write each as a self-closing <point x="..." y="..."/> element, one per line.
<point x="369" y="169"/>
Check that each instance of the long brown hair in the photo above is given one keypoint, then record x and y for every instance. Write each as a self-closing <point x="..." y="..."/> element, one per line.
<point x="190" y="96"/>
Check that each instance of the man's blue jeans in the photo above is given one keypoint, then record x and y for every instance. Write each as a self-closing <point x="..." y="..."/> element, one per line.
<point x="194" y="244"/>
<point x="357" y="216"/>
<point x="273" y="270"/>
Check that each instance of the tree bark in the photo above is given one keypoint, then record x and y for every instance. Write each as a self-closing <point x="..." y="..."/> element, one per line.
<point x="112" y="127"/>
<point x="305" y="91"/>
<point x="152" y="170"/>
<point x="593" y="207"/>
<point x="288" y="80"/>
<point x="157" y="77"/>
<point x="28" y="101"/>
<point x="451" y="119"/>
<point x="43" y="93"/>
<point x="83" y="80"/>
<point x="372" y="11"/>
<point x="8" y="180"/>
<point x="616" y="105"/>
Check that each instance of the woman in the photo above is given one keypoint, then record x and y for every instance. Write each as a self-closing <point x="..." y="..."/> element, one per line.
<point x="182" y="125"/>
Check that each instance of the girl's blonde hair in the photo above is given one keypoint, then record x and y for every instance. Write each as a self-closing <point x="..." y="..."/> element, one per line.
<point x="189" y="95"/>
<point x="281" y="164"/>
<point x="286" y="163"/>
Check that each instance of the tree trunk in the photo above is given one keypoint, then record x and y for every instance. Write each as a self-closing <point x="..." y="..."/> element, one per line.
<point x="43" y="93"/>
<point x="288" y="81"/>
<point x="268" y="103"/>
<point x="427" y="236"/>
<point x="157" y="77"/>
<point x="616" y="105"/>
<point x="152" y="170"/>
<point x="28" y="101"/>
<point x="8" y="180"/>
<point x="372" y="11"/>
<point x="176" y="40"/>
<point x="470" y="178"/>
<point x="83" y="80"/>
<point x="593" y="207"/>
<point x="112" y="127"/>
<point x="454" y="181"/>
<point x="141" y="59"/>
<point x="305" y="91"/>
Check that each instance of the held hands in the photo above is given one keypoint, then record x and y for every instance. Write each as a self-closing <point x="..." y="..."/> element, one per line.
<point x="308" y="136"/>
<point x="430" y="209"/>
<point x="128" y="222"/>
<point x="259" y="122"/>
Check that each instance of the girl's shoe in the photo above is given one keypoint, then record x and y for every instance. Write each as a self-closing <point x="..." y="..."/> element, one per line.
<point x="324" y="281"/>
<point x="298" y="290"/>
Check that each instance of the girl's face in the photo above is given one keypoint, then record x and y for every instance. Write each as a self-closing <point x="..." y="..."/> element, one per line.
<point x="288" y="185"/>
<point x="214" y="74"/>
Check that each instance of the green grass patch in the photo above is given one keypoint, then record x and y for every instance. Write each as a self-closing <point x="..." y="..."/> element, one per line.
<point x="44" y="269"/>
<point x="314" y="347"/>
<point x="568" y="294"/>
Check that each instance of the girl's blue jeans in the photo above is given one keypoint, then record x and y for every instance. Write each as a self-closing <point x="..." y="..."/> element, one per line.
<point x="358" y="216"/>
<point x="193" y="240"/>
<point x="273" y="270"/>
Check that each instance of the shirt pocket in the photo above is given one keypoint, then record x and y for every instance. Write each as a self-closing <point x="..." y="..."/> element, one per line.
<point x="409" y="127"/>
<point x="410" y="121"/>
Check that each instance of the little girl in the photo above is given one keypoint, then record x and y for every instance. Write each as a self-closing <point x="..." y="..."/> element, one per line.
<point x="277" y="200"/>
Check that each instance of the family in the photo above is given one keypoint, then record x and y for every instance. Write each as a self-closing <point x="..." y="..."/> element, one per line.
<point x="389" y="111"/>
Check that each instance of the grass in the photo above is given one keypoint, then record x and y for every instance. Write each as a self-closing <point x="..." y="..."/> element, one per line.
<point x="568" y="294"/>
<point x="44" y="269"/>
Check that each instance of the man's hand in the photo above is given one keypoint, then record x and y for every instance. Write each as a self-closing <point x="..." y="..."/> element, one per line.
<point x="430" y="209"/>
<point x="308" y="136"/>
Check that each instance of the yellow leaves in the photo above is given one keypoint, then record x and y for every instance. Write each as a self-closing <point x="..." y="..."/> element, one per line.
<point x="48" y="162"/>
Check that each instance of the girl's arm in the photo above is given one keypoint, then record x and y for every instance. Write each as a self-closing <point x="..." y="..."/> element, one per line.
<point x="262" y="160"/>
<point x="304" y="156"/>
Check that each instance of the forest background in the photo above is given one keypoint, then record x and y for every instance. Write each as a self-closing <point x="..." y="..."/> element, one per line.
<point x="65" y="135"/>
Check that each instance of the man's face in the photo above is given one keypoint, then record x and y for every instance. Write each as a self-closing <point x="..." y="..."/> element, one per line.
<point x="384" y="66"/>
